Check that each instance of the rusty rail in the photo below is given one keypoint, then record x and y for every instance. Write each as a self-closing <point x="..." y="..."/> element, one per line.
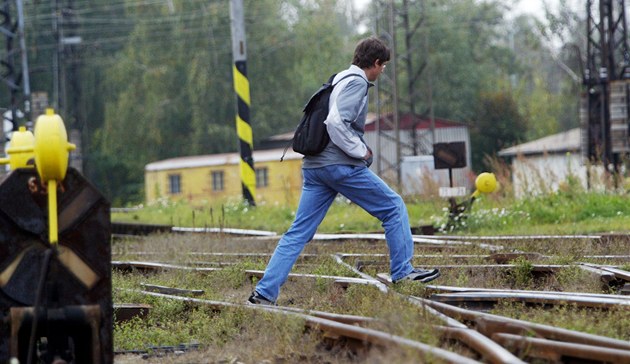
<point x="361" y="334"/>
<point x="488" y="349"/>
<point x="487" y="335"/>
<point x="485" y="297"/>
<point x="489" y="324"/>
<point x="452" y="289"/>
<point x="619" y="273"/>
<point x="560" y="351"/>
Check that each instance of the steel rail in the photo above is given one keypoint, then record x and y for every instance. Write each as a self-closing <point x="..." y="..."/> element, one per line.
<point x="514" y="237"/>
<point x="416" y="239"/>
<point x="172" y="290"/>
<point x="540" y="268"/>
<point x="154" y="266"/>
<point x="259" y="274"/>
<point x="604" y="276"/>
<point x="619" y="273"/>
<point x="228" y="231"/>
<point x="556" y="351"/>
<point x="484" y="346"/>
<point x="361" y="334"/>
<point x="383" y="288"/>
<point x="489" y="324"/>
<point x="490" y="349"/>
<point x="470" y="297"/>
<point x="451" y="289"/>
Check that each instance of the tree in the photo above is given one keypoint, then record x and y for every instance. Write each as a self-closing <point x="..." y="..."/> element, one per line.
<point x="498" y="125"/>
<point x="171" y="86"/>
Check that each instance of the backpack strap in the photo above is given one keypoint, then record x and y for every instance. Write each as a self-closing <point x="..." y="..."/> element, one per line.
<point x="351" y="75"/>
<point x="285" y="149"/>
<point x="330" y="82"/>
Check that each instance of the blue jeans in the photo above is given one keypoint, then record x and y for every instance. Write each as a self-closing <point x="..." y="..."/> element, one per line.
<point x="362" y="187"/>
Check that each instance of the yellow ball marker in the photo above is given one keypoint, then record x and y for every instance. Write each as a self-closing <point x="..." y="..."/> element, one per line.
<point x="20" y="149"/>
<point x="485" y="183"/>
<point x="51" y="159"/>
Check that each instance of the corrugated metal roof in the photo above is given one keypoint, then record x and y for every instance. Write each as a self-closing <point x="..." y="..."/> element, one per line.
<point x="568" y="141"/>
<point x="219" y="159"/>
<point x="408" y="121"/>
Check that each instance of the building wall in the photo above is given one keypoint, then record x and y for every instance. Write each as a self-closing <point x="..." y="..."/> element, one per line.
<point x="285" y="182"/>
<point x="196" y="183"/>
<point x="419" y="177"/>
<point x="534" y="175"/>
<point x="415" y="170"/>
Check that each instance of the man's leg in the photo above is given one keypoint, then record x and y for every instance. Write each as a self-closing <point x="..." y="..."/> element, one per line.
<point x="367" y="190"/>
<point x="314" y="203"/>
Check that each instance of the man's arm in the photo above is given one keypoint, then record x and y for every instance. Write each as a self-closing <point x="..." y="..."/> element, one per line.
<point x="343" y="113"/>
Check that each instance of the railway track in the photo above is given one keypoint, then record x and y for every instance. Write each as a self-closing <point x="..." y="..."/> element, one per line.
<point x="461" y="311"/>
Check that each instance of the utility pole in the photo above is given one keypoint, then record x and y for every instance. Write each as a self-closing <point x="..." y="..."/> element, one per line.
<point x="606" y="77"/>
<point x="392" y="32"/>
<point x="414" y="73"/>
<point x="388" y="145"/>
<point x="241" y="87"/>
<point x="71" y="87"/>
<point x="17" y="82"/>
<point x="9" y="74"/>
<point x="24" y="58"/>
<point x="55" y="16"/>
<point x="379" y="147"/>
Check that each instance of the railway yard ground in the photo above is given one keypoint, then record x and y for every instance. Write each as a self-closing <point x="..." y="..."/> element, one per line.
<point x="180" y="297"/>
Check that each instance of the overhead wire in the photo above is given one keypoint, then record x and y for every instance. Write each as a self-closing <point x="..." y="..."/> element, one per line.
<point x="165" y="28"/>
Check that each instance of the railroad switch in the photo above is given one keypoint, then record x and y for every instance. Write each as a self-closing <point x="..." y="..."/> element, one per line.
<point x="484" y="183"/>
<point x="55" y="255"/>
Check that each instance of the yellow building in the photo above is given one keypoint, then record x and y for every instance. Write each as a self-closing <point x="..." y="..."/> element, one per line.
<point x="217" y="177"/>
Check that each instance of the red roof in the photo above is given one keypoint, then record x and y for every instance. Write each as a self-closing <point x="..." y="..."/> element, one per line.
<point x="408" y="120"/>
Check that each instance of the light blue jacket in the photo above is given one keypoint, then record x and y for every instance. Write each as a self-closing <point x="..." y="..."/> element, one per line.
<point x="348" y="108"/>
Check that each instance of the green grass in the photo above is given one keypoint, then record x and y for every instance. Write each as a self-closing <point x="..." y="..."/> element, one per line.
<point x="557" y="213"/>
<point x="222" y="333"/>
<point x="284" y="339"/>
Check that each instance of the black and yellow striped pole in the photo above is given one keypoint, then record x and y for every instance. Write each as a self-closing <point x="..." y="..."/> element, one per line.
<point x="241" y="86"/>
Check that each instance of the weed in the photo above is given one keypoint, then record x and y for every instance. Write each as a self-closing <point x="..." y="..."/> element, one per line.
<point x="522" y="273"/>
<point x="230" y="277"/>
<point x="327" y="266"/>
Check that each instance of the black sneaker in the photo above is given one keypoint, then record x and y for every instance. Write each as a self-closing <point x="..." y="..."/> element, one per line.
<point x="258" y="299"/>
<point x="421" y="275"/>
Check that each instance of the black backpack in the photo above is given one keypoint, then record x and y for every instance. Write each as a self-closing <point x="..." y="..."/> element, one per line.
<point x="311" y="136"/>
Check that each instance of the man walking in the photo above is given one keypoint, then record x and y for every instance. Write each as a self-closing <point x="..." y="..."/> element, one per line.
<point x="343" y="168"/>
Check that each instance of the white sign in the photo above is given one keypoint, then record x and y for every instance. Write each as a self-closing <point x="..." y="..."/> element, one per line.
<point x="453" y="191"/>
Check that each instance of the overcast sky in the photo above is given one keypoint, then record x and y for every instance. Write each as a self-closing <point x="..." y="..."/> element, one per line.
<point x="534" y="7"/>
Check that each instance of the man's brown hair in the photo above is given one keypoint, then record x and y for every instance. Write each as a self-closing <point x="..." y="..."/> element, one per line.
<point x="368" y="51"/>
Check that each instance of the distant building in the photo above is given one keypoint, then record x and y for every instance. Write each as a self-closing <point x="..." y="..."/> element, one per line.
<point x="543" y="165"/>
<point x="217" y="177"/>
<point x="417" y="173"/>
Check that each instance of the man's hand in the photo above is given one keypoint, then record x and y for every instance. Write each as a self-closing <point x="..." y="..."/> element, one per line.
<point x="368" y="155"/>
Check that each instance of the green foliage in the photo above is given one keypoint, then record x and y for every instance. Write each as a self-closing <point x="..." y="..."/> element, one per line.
<point x="231" y="277"/>
<point x="522" y="273"/>
<point x="499" y="124"/>
<point x="459" y="43"/>
<point x="153" y="80"/>
<point x="571" y="211"/>
<point x="327" y="266"/>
